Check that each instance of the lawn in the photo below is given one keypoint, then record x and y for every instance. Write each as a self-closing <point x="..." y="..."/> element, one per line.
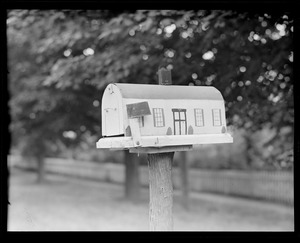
<point x="71" y="204"/>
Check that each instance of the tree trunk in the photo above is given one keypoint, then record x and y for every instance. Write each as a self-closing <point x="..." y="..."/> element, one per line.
<point x="132" y="182"/>
<point x="183" y="164"/>
<point x="40" y="169"/>
<point x="248" y="149"/>
<point x="161" y="191"/>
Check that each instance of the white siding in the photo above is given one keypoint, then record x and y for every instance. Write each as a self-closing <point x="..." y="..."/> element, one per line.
<point x="189" y="105"/>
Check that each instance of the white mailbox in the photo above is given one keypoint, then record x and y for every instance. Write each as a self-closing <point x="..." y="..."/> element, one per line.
<point x="161" y="118"/>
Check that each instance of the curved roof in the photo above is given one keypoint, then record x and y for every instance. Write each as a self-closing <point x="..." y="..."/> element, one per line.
<point x="151" y="91"/>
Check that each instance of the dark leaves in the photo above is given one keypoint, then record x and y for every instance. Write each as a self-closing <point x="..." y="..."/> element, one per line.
<point x="61" y="61"/>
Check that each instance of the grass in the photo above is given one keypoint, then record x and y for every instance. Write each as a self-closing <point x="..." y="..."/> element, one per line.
<point x="70" y="204"/>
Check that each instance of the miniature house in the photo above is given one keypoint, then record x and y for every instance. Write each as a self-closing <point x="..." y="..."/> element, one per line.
<point x="162" y="118"/>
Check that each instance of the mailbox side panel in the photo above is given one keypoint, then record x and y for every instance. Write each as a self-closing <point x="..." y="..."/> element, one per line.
<point x="169" y="106"/>
<point x="212" y="118"/>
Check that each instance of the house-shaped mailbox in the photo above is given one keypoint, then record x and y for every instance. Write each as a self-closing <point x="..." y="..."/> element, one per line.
<point x="162" y="118"/>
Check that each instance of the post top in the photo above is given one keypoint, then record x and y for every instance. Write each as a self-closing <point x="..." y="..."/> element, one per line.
<point x="164" y="76"/>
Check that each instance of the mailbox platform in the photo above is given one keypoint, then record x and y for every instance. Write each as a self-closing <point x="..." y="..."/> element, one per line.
<point x="155" y="144"/>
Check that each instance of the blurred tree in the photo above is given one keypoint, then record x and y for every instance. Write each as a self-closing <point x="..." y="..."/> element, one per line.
<point x="61" y="61"/>
<point x="247" y="56"/>
<point x="55" y="95"/>
<point x="132" y="179"/>
<point x="43" y="113"/>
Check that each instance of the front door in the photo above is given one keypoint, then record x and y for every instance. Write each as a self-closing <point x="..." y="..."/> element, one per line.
<point x="179" y="117"/>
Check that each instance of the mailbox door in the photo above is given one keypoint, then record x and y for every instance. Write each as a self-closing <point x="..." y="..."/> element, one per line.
<point x="112" y="112"/>
<point x="112" y="120"/>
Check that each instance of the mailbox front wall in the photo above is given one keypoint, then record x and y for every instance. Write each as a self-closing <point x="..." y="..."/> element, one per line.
<point x="112" y="112"/>
<point x="189" y="105"/>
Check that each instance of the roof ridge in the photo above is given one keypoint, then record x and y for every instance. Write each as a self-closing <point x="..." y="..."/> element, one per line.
<point x="152" y="91"/>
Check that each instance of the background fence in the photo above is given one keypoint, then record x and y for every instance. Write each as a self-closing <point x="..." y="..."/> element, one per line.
<point x="276" y="186"/>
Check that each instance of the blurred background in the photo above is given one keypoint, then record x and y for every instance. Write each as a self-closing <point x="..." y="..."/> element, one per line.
<point x="60" y="62"/>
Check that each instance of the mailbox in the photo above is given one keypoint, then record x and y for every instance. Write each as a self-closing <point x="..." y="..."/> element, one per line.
<point x="148" y="118"/>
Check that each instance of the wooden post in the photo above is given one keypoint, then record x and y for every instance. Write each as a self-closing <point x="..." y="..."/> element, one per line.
<point x="160" y="180"/>
<point x="164" y="77"/>
<point x="161" y="191"/>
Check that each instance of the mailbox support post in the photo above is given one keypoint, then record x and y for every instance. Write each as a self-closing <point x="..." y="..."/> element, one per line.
<point x="160" y="144"/>
<point x="160" y="180"/>
<point x="161" y="191"/>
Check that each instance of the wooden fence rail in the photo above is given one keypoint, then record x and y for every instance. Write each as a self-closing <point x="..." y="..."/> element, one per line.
<point x="277" y="186"/>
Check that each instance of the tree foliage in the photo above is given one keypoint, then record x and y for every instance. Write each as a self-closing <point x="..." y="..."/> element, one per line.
<point x="61" y="61"/>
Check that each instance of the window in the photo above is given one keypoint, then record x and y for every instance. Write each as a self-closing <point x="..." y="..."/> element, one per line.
<point x="158" y="116"/>
<point x="216" y="113"/>
<point x="199" y="119"/>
